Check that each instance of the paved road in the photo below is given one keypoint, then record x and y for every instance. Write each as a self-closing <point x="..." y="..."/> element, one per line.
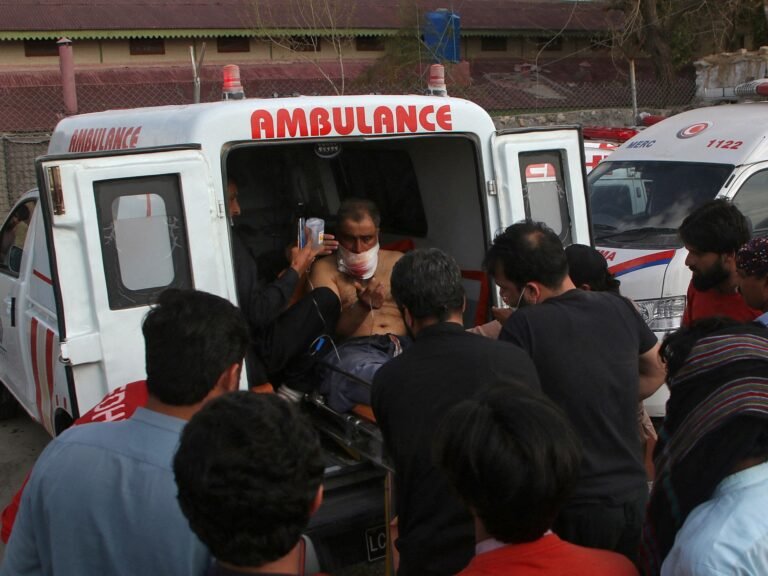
<point x="21" y="440"/>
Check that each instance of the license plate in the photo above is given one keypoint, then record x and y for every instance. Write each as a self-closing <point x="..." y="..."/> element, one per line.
<point x="376" y="542"/>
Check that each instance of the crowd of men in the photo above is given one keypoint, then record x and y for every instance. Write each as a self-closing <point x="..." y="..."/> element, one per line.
<point x="516" y="450"/>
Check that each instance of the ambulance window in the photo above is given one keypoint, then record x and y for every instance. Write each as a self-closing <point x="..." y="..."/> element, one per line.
<point x="544" y="190"/>
<point x="751" y="199"/>
<point x="13" y="237"/>
<point x="143" y="238"/>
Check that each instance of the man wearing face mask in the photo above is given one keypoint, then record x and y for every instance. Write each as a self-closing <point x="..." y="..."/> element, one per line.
<point x="596" y="358"/>
<point x="712" y="234"/>
<point x="370" y="324"/>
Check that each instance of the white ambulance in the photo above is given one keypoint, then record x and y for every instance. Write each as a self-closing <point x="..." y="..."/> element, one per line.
<point x="641" y="194"/>
<point x="132" y="202"/>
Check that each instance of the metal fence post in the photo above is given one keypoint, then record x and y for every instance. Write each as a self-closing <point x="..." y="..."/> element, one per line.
<point x="633" y="88"/>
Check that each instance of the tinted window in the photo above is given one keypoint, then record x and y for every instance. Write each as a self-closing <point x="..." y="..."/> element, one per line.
<point x="643" y="203"/>
<point x="13" y="237"/>
<point x="752" y="200"/>
<point x="143" y="238"/>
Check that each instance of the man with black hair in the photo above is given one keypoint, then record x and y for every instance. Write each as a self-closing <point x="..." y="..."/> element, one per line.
<point x="708" y="511"/>
<point x="101" y="498"/>
<point x="596" y="359"/>
<point x="411" y="394"/>
<point x="246" y="498"/>
<point x="712" y="235"/>
<point x="514" y="459"/>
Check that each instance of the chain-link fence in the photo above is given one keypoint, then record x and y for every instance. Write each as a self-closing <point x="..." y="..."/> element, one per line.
<point x="26" y="110"/>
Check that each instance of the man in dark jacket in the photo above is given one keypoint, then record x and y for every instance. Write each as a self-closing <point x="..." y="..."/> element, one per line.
<point x="411" y="394"/>
<point x="280" y="332"/>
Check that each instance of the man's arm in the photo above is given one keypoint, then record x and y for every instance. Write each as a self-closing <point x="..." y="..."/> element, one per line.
<point x="652" y="372"/>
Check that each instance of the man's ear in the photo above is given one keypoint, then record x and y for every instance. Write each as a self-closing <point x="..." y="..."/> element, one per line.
<point x="729" y="260"/>
<point x="229" y="381"/>
<point x="316" y="501"/>
<point x="464" y="304"/>
<point x="533" y="293"/>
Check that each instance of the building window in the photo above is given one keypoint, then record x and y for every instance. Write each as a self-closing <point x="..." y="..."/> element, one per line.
<point x="304" y="43"/>
<point x="34" y="48"/>
<point x="147" y="46"/>
<point x="493" y="44"/>
<point x="233" y="44"/>
<point x="549" y="43"/>
<point x="369" y="43"/>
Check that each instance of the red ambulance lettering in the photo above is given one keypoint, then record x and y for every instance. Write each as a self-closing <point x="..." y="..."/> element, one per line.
<point x="343" y="121"/>
<point x="98" y="139"/>
<point x="319" y="122"/>
<point x="424" y="118"/>
<point x="343" y="128"/>
<point x="609" y="255"/>
<point x="406" y="119"/>
<point x="292" y="125"/>
<point x="443" y="118"/>
<point x="383" y="121"/>
<point x="261" y="125"/>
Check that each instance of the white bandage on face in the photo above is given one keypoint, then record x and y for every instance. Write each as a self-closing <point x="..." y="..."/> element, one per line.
<point x="361" y="266"/>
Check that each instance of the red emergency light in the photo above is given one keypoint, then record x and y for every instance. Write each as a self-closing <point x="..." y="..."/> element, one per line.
<point x="608" y="133"/>
<point x="232" y="89"/>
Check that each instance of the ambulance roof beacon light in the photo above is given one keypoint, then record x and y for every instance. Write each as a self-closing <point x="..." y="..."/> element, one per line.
<point x="232" y="88"/>
<point x="753" y="88"/>
<point x="608" y="133"/>
<point x="436" y="82"/>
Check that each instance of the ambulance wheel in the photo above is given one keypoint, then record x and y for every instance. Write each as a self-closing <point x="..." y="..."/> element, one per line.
<point x="9" y="407"/>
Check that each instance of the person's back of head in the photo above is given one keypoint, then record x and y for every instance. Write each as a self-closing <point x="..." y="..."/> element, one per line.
<point x="427" y="282"/>
<point x="717" y="226"/>
<point x="191" y="339"/>
<point x="513" y="458"/>
<point x="588" y="269"/>
<point x="249" y="469"/>
<point x="716" y="422"/>
<point x="528" y="252"/>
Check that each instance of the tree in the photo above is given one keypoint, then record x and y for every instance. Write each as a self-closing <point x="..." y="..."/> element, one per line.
<point x="300" y="26"/>
<point x="673" y="32"/>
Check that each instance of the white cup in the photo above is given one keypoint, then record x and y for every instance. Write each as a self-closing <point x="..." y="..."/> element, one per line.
<point x="317" y="228"/>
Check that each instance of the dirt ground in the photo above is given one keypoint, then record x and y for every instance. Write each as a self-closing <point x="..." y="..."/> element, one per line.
<point x="21" y="440"/>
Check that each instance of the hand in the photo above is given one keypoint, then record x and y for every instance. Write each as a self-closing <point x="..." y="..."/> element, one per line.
<point x="501" y="314"/>
<point x="302" y="258"/>
<point x="330" y="245"/>
<point x="372" y="295"/>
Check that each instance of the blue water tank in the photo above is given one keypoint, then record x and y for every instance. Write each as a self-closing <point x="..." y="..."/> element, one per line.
<point x="442" y="31"/>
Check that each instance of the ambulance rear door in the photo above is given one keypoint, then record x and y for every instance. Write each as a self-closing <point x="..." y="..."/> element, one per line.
<point x="121" y="229"/>
<point x="539" y="174"/>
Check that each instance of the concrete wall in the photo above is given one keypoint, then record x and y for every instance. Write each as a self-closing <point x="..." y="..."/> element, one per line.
<point x="729" y="69"/>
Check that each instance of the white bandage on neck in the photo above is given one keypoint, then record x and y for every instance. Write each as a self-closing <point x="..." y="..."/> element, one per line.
<point x="361" y="266"/>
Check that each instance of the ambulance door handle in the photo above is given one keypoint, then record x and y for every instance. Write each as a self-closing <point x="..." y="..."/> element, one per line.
<point x="10" y="306"/>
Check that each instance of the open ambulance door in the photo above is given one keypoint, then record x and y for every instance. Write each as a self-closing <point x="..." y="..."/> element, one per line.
<point x="540" y="175"/>
<point x="121" y="229"/>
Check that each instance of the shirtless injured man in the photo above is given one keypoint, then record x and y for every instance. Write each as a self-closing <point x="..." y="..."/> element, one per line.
<point x="370" y="330"/>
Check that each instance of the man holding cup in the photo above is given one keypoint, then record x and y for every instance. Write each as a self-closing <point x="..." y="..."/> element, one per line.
<point x="281" y="332"/>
